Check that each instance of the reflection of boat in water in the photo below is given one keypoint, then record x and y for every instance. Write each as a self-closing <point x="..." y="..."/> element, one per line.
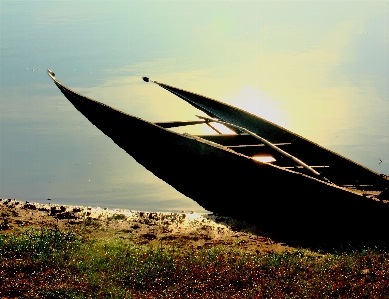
<point x="305" y="183"/>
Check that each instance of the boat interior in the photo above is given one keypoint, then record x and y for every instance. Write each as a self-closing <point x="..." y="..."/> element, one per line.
<point x="296" y="155"/>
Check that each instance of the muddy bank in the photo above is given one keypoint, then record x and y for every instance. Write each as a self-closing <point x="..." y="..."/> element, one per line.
<point x="178" y="229"/>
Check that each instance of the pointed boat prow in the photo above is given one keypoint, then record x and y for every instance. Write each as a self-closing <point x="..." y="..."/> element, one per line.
<point x="51" y="74"/>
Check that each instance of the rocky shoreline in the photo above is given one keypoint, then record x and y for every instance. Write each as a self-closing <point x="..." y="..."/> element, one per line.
<point x="153" y="228"/>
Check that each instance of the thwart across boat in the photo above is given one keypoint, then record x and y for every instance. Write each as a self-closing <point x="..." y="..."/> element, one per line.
<point x="303" y="182"/>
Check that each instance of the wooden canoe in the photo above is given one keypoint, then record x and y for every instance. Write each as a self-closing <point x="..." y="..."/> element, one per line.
<point x="332" y="195"/>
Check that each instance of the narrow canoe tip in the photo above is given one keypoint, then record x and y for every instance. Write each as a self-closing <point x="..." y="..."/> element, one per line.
<point x="51" y="74"/>
<point x="145" y="79"/>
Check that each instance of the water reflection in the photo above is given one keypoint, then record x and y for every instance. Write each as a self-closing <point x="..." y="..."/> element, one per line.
<point x="264" y="159"/>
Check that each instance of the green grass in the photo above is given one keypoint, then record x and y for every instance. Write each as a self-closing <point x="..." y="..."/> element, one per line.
<point x="50" y="263"/>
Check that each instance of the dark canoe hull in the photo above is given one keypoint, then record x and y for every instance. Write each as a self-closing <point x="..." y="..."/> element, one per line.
<point x="341" y="170"/>
<point x="225" y="182"/>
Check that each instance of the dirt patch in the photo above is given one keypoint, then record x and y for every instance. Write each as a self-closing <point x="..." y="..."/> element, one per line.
<point x="178" y="229"/>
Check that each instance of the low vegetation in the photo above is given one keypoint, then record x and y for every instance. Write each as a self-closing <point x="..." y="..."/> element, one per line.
<point x="51" y="263"/>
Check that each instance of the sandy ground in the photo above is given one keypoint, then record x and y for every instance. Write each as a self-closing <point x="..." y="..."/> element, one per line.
<point x="178" y="229"/>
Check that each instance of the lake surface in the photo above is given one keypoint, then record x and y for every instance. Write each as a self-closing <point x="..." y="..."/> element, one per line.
<point x="319" y="69"/>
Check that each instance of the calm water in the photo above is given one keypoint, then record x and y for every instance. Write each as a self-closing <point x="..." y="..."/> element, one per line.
<point x="318" y="73"/>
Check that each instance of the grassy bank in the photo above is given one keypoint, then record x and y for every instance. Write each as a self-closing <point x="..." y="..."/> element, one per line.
<point x="51" y="263"/>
